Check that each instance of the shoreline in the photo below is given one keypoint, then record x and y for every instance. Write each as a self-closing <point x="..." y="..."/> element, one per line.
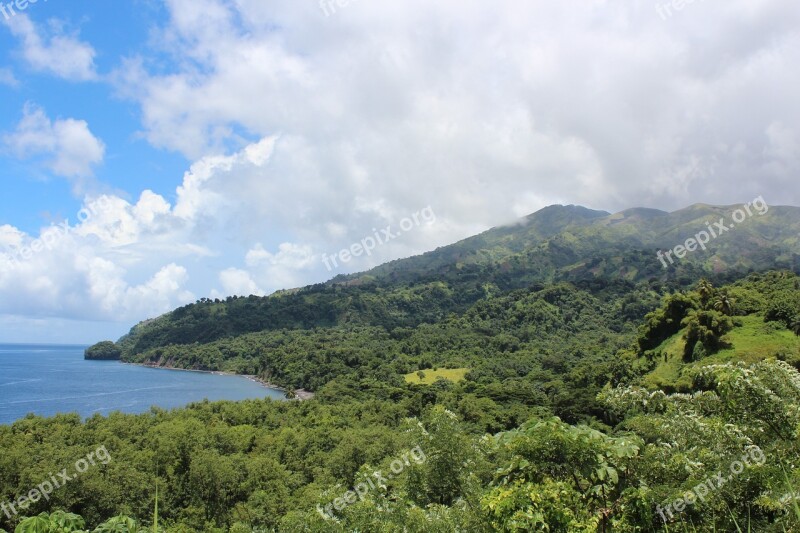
<point x="300" y="394"/>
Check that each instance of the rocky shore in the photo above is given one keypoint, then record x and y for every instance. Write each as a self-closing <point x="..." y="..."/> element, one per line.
<point x="299" y="394"/>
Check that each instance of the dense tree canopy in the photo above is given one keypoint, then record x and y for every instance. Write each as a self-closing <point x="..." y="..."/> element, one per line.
<point x="557" y="421"/>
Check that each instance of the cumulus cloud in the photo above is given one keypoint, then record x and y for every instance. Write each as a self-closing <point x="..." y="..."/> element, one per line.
<point x="236" y="282"/>
<point x="288" y="267"/>
<point x="483" y="104"/>
<point x="84" y="268"/>
<point x="67" y="146"/>
<point x="69" y="280"/>
<point x="53" y="49"/>
<point x="128" y="260"/>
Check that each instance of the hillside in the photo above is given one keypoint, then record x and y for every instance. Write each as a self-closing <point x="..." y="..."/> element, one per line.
<point x="655" y="394"/>
<point x="593" y="250"/>
<point x="575" y="243"/>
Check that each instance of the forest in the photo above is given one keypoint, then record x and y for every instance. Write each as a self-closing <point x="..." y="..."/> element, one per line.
<point x="621" y="406"/>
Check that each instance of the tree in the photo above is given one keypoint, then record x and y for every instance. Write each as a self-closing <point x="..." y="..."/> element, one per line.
<point x="121" y="524"/>
<point x="796" y="325"/>
<point x="706" y="328"/>
<point x="560" y="478"/>
<point x="739" y="412"/>
<point x="665" y="321"/>
<point x="724" y="304"/>
<point x="783" y="307"/>
<point x="705" y="289"/>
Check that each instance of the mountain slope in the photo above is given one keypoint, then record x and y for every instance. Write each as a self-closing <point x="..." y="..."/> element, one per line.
<point x="571" y="237"/>
<point x="592" y="249"/>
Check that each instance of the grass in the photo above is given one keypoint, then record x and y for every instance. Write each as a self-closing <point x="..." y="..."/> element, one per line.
<point x="751" y="342"/>
<point x="755" y="341"/>
<point x="431" y="375"/>
<point x="667" y="373"/>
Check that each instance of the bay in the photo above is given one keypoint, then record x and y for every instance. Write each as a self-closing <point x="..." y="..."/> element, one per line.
<point x="47" y="379"/>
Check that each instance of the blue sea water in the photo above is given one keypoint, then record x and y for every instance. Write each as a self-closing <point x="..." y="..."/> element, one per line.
<point x="47" y="379"/>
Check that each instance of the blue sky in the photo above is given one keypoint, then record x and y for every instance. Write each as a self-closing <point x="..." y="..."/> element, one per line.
<point x="32" y="196"/>
<point x="228" y="146"/>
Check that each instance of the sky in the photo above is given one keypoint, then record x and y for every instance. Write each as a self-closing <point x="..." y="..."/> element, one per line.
<point x="154" y="152"/>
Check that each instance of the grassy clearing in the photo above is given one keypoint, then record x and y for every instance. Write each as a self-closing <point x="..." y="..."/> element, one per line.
<point x="753" y="341"/>
<point x="453" y="374"/>
<point x="667" y="373"/>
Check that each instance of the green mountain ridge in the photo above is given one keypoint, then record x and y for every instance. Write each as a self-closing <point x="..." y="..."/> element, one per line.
<point x="593" y="234"/>
<point x="592" y="249"/>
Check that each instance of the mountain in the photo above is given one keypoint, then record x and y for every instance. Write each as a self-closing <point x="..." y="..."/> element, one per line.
<point x="576" y="243"/>
<point x="591" y="249"/>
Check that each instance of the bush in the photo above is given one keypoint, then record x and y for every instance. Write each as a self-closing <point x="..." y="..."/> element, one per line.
<point x="784" y="307"/>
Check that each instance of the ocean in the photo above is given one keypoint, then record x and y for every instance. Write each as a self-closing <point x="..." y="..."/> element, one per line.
<point x="47" y="379"/>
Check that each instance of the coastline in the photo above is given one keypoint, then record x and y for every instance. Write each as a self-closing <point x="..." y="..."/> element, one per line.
<point x="300" y="394"/>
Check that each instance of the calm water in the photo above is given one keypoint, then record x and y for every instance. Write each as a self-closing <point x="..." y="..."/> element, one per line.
<point x="46" y="380"/>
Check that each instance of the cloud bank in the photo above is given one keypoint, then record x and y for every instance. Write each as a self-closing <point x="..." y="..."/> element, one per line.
<point x="309" y="127"/>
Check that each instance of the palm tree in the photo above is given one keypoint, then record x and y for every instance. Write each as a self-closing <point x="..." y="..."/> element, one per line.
<point x="705" y="289"/>
<point x="724" y="304"/>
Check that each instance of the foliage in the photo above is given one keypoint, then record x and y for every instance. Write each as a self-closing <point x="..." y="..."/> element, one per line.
<point x="704" y="329"/>
<point x="783" y="307"/>
<point x="550" y="427"/>
<point x="559" y="476"/>
<point x="103" y="351"/>
<point x="665" y="321"/>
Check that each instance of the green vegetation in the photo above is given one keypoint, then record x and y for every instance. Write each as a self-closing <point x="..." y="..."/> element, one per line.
<point x="103" y="351"/>
<point x="61" y="522"/>
<point x="752" y="335"/>
<point x="429" y="376"/>
<point x="589" y="249"/>
<point x="618" y="451"/>
<point x="584" y="388"/>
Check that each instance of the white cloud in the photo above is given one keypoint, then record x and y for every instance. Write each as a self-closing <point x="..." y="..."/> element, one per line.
<point x="589" y="103"/>
<point x="237" y="282"/>
<point x="53" y="50"/>
<point x="289" y="267"/>
<point x="67" y="145"/>
<point x="121" y="260"/>
<point x="71" y="280"/>
<point x="289" y="254"/>
<point x="10" y="236"/>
